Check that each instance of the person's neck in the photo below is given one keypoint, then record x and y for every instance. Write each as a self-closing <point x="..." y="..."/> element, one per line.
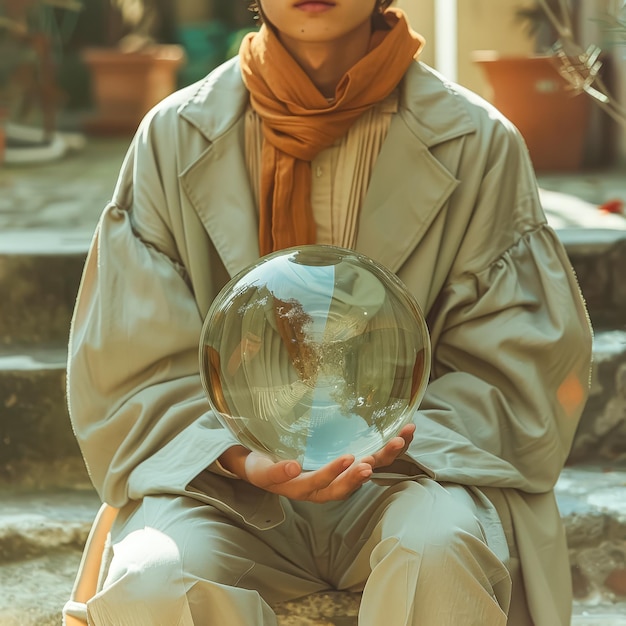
<point x="327" y="63"/>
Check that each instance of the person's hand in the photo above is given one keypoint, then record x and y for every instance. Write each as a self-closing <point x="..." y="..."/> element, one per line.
<point x="335" y="481"/>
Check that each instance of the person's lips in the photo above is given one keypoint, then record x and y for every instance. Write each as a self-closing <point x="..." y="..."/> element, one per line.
<point x="314" y="6"/>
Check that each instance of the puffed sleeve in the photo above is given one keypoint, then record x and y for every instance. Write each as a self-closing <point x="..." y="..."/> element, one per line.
<point x="132" y="374"/>
<point x="511" y="341"/>
<point x="135" y="395"/>
<point x="510" y="372"/>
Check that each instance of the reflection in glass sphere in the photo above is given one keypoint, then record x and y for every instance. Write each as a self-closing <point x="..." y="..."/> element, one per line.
<point x="314" y="352"/>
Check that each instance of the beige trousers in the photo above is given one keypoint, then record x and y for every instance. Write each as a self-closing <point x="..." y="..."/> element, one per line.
<point x="423" y="553"/>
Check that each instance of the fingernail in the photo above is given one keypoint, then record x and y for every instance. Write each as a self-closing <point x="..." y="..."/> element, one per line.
<point x="292" y="469"/>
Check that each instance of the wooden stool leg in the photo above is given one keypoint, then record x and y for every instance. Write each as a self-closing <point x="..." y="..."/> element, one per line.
<point x="86" y="583"/>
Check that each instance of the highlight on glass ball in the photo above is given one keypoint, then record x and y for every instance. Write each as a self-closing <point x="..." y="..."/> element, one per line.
<point x="314" y="352"/>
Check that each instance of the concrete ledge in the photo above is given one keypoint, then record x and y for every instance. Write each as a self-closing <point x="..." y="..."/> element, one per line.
<point x="38" y="293"/>
<point x="40" y="272"/>
<point x="601" y="434"/>
<point x="34" y="524"/>
<point x="42" y="534"/>
<point x="34" y="422"/>
<point x="592" y="501"/>
<point x="595" y="242"/>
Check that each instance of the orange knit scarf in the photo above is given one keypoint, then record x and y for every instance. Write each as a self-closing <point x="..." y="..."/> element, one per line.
<point x="298" y="122"/>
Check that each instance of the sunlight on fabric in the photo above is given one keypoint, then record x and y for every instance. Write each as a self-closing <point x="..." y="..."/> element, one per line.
<point x="570" y="394"/>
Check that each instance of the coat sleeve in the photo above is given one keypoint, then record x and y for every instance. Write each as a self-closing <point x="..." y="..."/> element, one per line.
<point x="135" y="396"/>
<point x="511" y="341"/>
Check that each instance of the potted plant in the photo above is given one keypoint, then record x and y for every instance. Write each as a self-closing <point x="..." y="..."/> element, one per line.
<point x="137" y="65"/>
<point x="30" y="94"/>
<point x="551" y="114"/>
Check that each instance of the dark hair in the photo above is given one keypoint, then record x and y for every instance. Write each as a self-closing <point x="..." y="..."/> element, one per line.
<point x="254" y="6"/>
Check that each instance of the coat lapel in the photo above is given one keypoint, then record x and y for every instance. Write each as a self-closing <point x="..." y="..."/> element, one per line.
<point x="409" y="185"/>
<point x="217" y="186"/>
<point x="216" y="180"/>
<point x="407" y="189"/>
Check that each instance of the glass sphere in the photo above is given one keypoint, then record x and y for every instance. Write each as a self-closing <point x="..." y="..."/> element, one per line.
<point x="314" y="352"/>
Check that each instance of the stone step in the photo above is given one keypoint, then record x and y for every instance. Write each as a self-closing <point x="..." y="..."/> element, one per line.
<point x="35" y="430"/>
<point x="592" y="501"/>
<point x="37" y="445"/>
<point x="39" y="276"/>
<point x="40" y="270"/>
<point x="36" y="523"/>
<point x="601" y="433"/>
<point x="614" y="615"/>
<point x="42" y="534"/>
<point x="595" y="241"/>
<point x="591" y="498"/>
<point x="51" y="210"/>
<point x="598" y="258"/>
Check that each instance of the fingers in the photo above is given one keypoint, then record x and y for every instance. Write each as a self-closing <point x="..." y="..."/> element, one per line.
<point x="407" y="432"/>
<point x="315" y="485"/>
<point x="393" y="449"/>
<point x="322" y="477"/>
<point x="335" y="481"/>
<point x="283" y="471"/>
<point x="326" y="484"/>
<point x="263" y="472"/>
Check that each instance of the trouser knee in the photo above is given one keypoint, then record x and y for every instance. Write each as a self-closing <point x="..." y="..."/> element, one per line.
<point x="148" y="565"/>
<point x="429" y="521"/>
<point x="435" y="534"/>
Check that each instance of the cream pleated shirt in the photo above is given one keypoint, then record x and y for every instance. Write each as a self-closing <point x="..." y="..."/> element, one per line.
<point x="340" y="174"/>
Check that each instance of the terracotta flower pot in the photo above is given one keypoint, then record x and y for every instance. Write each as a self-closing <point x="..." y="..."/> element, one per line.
<point x="552" y="118"/>
<point x="126" y="85"/>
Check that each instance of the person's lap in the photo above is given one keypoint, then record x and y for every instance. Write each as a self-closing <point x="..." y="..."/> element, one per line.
<point x="178" y="555"/>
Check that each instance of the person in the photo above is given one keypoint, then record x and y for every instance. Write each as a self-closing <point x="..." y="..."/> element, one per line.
<point x="327" y="128"/>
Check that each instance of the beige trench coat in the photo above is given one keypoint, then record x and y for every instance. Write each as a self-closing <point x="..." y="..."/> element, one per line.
<point x="452" y="208"/>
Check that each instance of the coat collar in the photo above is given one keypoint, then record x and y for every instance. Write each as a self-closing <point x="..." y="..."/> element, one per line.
<point x="432" y="115"/>
<point x="218" y="102"/>
<point x="407" y="189"/>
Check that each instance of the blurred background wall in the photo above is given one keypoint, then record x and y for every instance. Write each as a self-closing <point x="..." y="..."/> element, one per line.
<point x="209" y="31"/>
<point x="481" y="25"/>
<point x="492" y="25"/>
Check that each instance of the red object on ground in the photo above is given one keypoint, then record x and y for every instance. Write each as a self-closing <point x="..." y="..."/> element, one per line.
<point x="613" y="206"/>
